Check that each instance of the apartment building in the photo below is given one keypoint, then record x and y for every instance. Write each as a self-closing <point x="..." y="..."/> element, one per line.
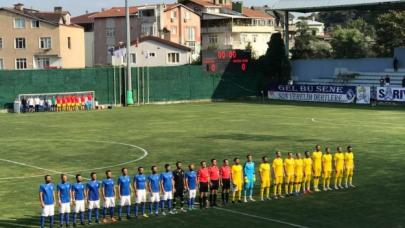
<point x="32" y="39"/>
<point x="230" y="25"/>
<point x="172" y="22"/>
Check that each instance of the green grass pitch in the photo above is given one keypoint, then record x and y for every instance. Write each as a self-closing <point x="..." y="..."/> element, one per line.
<point x="81" y="141"/>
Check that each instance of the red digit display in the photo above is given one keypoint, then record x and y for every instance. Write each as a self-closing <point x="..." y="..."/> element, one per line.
<point x="243" y="66"/>
<point x="213" y="67"/>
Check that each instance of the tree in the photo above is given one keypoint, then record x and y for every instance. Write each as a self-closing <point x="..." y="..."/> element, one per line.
<point x="349" y="43"/>
<point x="307" y="45"/>
<point x="390" y="29"/>
<point x="274" y="65"/>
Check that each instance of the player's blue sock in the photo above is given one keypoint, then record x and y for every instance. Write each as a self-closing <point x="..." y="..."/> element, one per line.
<point x="162" y="205"/>
<point x="128" y="210"/>
<point x="61" y="216"/>
<point x="119" y="211"/>
<point x="156" y="207"/>
<point x="192" y="202"/>
<point x="42" y="221"/>
<point x="82" y="217"/>
<point x="112" y="212"/>
<point x="67" y="218"/>
<point x="169" y="204"/>
<point x="89" y="212"/>
<point x="143" y="208"/>
<point x="97" y="214"/>
<point x="74" y="217"/>
<point x="136" y="209"/>
<point x="51" y="221"/>
<point x="150" y="207"/>
<point x="104" y="212"/>
<point x="189" y="203"/>
<point x="251" y="192"/>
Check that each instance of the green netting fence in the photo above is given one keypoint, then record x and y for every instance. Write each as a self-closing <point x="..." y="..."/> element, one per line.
<point x="155" y="84"/>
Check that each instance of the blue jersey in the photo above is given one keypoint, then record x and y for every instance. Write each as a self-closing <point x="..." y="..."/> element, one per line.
<point x="167" y="179"/>
<point x="249" y="170"/>
<point x="154" y="182"/>
<point x="108" y="185"/>
<point x="78" y="191"/>
<point x="94" y="193"/>
<point x="64" y="192"/>
<point x="47" y="193"/>
<point x="125" y="185"/>
<point x="140" y="181"/>
<point x="191" y="177"/>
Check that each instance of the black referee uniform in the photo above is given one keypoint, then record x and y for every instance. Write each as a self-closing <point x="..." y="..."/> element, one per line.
<point x="178" y="176"/>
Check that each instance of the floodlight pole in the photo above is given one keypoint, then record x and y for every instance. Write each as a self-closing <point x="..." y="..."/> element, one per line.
<point x="286" y="33"/>
<point x="130" y="98"/>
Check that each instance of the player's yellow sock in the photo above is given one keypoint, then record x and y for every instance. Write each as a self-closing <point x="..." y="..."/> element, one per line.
<point x="351" y="180"/>
<point x="291" y="188"/>
<point x="298" y="187"/>
<point x="316" y="183"/>
<point x="262" y="192"/>
<point x="279" y="189"/>
<point x="233" y="196"/>
<point x="286" y="188"/>
<point x="268" y="192"/>
<point x="275" y="190"/>
<point x="324" y="183"/>
<point x="328" y="182"/>
<point x="340" y="181"/>
<point x="239" y="195"/>
<point x="303" y="185"/>
<point x="336" y="181"/>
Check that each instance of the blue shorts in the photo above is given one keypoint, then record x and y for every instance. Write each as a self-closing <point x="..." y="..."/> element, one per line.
<point x="250" y="184"/>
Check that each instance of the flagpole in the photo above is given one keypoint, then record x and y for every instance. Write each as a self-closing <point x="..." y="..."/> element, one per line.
<point x="130" y="98"/>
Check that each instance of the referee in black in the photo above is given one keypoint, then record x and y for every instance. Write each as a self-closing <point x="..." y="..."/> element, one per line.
<point x="178" y="175"/>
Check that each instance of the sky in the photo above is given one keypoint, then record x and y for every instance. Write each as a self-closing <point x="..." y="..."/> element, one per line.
<point x="78" y="7"/>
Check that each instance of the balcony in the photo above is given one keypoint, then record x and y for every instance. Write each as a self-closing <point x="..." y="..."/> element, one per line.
<point x="216" y="29"/>
<point x="253" y="29"/>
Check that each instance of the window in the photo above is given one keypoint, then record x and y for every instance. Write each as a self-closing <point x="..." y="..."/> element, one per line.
<point x="254" y="38"/>
<point x="173" y="30"/>
<point x="213" y="39"/>
<point x="1" y="42"/>
<point x="1" y="64"/>
<point x="42" y="63"/>
<point x="152" y="54"/>
<point x="133" y="58"/>
<point x="174" y="14"/>
<point x="19" y="23"/>
<point x="45" y="43"/>
<point x="110" y="32"/>
<point x="19" y="42"/>
<point x="148" y="29"/>
<point x="190" y="34"/>
<point x="34" y="24"/>
<point x="173" y="57"/>
<point x="187" y="15"/>
<point x="21" y="64"/>
<point x="69" y="40"/>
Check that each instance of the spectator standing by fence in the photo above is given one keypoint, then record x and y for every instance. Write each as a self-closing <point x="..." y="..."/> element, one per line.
<point x="395" y="64"/>
<point x="387" y="80"/>
<point x="403" y="82"/>
<point x="382" y="81"/>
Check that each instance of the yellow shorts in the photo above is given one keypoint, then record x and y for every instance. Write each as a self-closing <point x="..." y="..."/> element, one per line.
<point x="265" y="183"/>
<point x="289" y="178"/>
<point x="298" y="179"/>
<point x="339" y="173"/>
<point x="349" y="172"/>
<point x="317" y="172"/>
<point x="327" y="174"/>
<point x="278" y="180"/>
<point x="238" y="186"/>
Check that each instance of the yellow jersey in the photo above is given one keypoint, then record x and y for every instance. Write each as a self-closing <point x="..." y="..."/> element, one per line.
<point x="299" y="167"/>
<point x="237" y="173"/>
<point x="278" y="167"/>
<point x="327" y="162"/>
<point x="264" y="170"/>
<point x="289" y="165"/>
<point x="317" y="159"/>
<point x="339" y="159"/>
<point x="308" y="166"/>
<point x="349" y="160"/>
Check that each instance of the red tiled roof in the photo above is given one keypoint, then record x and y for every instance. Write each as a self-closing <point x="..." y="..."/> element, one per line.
<point x="84" y="19"/>
<point x="248" y="12"/>
<point x="115" y="12"/>
<point x="166" y="42"/>
<point x="205" y="3"/>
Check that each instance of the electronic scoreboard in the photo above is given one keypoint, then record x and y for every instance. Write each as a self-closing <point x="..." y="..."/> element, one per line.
<point x="219" y="61"/>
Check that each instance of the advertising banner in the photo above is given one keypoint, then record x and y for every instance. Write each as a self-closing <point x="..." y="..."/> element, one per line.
<point x="363" y="94"/>
<point x="391" y="94"/>
<point x="314" y="93"/>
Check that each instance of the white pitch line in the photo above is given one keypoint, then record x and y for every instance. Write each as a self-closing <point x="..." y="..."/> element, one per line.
<point x="313" y="120"/>
<point x="145" y="153"/>
<point x="260" y="217"/>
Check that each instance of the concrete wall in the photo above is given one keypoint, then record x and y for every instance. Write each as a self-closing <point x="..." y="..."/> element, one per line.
<point x="73" y="56"/>
<point x="89" y="44"/>
<point x="305" y="70"/>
